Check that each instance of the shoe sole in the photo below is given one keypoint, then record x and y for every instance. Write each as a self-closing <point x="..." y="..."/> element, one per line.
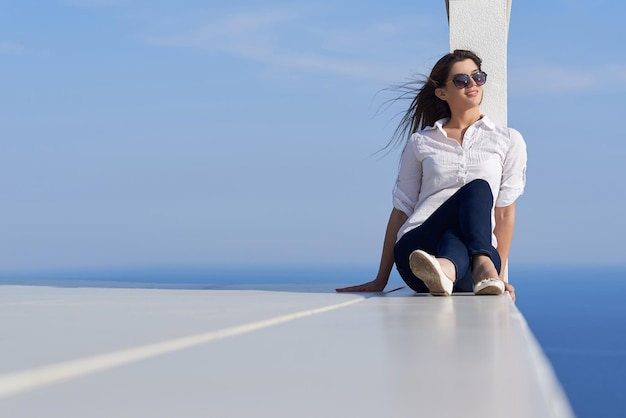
<point x="494" y="289"/>
<point x="423" y="268"/>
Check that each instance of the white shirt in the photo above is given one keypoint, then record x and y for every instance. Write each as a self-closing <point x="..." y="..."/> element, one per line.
<point x="433" y="167"/>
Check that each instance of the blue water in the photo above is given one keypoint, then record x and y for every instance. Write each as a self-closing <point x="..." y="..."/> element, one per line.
<point x="576" y="313"/>
<point x="579" y="317"/>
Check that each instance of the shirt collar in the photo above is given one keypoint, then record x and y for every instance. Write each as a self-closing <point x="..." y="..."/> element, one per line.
<point x="438" y="126"/>
<point x="489" y="124"/>
<point x="484" y="120"/>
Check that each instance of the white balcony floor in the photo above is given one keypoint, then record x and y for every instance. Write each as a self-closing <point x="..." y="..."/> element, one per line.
<point x="106" y="352"/>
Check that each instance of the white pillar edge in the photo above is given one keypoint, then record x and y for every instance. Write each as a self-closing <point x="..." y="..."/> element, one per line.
<point x="483" y="26"/>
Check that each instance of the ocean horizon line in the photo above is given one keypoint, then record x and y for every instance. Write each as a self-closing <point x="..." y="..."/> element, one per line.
<point x="285" y="273"/>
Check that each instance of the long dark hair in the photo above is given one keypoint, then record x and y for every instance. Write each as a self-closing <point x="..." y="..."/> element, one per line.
<point x="426" y="108"/>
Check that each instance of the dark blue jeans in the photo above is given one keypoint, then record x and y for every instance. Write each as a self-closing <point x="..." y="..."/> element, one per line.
<point x="458" y="230"/>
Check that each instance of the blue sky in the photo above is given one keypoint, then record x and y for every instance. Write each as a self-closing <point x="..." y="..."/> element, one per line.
<point x="146" y="133"/>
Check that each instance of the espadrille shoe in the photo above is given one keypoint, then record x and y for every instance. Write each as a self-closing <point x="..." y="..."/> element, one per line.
<point x="426" y="268"/>
<point x="489" y="287"/>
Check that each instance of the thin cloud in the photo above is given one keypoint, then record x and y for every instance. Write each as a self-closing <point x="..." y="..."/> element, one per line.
<point x="93" y="3"/>
<point x="552" y="79"/>
<point x="288" y="40"/>
<point x="245" y="35"/>
<point x="7" y="47"/>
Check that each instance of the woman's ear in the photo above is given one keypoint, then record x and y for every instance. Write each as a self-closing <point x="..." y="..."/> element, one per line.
<point x="440" y="93"/>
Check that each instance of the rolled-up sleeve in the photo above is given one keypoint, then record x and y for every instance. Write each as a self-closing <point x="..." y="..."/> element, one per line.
<point x="409" y="181"/>
<point x="513" y="171"/>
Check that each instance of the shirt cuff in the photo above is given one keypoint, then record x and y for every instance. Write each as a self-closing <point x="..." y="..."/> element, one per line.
<point x="403" y="203"/>
<point x="508" y="197"/>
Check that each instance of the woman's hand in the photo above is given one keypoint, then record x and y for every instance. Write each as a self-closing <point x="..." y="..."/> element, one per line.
<point x="373" y="286"/>
<point x="508" y="287"/>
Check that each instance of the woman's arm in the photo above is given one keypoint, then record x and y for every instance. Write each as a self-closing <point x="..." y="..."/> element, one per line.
<point x="396" y="219"/>
<point x="505" y="223"/>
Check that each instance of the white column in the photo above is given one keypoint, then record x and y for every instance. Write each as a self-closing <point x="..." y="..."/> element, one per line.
<point x="483" y="26"/>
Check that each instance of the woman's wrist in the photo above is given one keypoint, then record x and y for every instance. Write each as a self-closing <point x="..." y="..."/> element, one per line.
<point x="381" y="279"/>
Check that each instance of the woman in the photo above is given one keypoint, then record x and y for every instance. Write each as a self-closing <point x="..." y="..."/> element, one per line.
<point x="454" y="200"/>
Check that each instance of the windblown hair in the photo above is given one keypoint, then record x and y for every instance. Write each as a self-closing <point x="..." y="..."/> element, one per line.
<point x="426" y="108"/>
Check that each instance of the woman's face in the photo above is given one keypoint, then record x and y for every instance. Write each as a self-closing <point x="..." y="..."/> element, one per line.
<point x="464" y="98"/>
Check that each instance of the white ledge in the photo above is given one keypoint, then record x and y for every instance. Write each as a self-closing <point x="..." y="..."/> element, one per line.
<point x="103" y="352"/>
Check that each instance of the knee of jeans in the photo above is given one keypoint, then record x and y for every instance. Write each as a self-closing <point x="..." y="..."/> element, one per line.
<point x="480" y="183"/>
<point x="480" y="186"/>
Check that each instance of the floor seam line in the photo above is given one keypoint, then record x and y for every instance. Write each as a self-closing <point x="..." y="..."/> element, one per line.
<point x="14" y="383"/>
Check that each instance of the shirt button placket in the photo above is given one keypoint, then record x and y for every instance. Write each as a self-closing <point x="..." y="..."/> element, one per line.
<point x="462" y="172"/>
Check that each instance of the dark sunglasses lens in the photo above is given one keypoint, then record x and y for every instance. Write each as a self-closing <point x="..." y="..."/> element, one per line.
<point x="460" y="81"/>
<point x="479" y="78"/>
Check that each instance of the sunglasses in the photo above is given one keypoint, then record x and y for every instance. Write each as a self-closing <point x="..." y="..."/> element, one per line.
<point x="463" y="80"/>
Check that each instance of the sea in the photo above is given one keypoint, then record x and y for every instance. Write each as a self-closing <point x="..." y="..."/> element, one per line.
<point x="577" y="313"/>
